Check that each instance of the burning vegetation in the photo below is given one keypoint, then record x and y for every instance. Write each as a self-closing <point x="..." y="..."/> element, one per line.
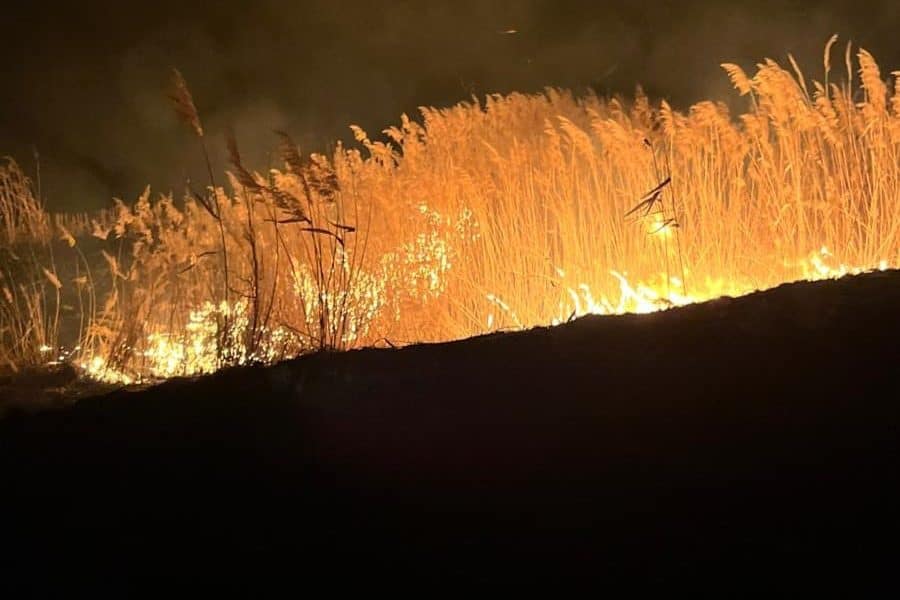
<point x="507" y="213"/>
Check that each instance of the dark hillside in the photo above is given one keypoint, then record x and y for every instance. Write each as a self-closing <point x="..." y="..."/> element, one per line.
<point x="755" y="436"/>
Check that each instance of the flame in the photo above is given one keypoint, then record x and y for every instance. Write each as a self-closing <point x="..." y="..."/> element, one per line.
<point x="515" y="212"/>
<point x="658" y="225"/>
<point x="195" y="350"/>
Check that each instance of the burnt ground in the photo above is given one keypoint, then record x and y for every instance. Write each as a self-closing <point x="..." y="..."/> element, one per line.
<point x="747" y="438"/>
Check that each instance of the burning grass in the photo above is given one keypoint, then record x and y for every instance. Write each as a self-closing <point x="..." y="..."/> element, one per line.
<point x="510" y="212"/>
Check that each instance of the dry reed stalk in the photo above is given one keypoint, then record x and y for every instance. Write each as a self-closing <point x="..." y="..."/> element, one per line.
<point x="507" y="212"/>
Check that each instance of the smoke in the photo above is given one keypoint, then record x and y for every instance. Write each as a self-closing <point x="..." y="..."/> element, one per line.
<point x="89" y="91"/>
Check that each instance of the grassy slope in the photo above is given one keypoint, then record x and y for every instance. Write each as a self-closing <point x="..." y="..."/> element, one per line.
<point x="747" y="434"/>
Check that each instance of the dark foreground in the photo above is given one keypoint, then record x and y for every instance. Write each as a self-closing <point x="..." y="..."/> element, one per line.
<point x="746" y="439"/>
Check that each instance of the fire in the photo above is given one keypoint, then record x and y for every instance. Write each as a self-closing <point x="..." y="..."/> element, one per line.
<point x="195" y="351"/>
<point x="660" y="226"/>
<point x="503" y="214"/>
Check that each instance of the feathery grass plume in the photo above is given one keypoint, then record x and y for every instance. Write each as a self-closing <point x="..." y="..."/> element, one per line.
<point x="289" y="153"/>
<point x="183" y="101"/>
<point x="800" y="78"/>
<point x="322" y="178"/>
<point x="826" y="56"/>
<point x="244" y="176"/>
<point x="284" y="198"/>
<point x="870" y="75"/>
<point x="667" y="119"/>
<point x="848" y="63"/>
<point x="738" y="78"/>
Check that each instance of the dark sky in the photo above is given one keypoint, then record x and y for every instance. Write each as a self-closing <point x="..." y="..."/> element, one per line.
<point x="84" y="82"/>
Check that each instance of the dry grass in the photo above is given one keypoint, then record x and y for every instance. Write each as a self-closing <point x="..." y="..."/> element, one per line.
<point x="29" y="284"/>
<point x="22" y="216"/>
<point x="508" y="212"/>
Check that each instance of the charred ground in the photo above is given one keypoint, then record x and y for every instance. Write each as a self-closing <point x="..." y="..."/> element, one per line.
<point x="756" y="435"/>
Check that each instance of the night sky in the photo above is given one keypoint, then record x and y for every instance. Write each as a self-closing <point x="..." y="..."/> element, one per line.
<point x="84" y="83"/>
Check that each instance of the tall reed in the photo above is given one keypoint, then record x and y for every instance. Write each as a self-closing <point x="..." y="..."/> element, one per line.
<point x="503" y="212"/>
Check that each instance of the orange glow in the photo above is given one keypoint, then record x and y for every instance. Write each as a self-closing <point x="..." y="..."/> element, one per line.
<point x="514" y="212"/>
